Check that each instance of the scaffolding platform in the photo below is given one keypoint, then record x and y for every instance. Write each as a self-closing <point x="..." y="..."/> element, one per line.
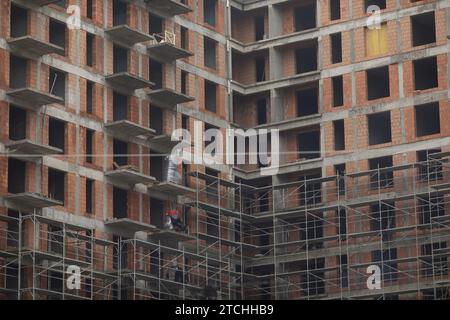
<point x="169" y="7"/>
<point x="33" y="46"/>
<point x="126" y="128"/>
<point x="33" y="97"/>
<point x="168" y="98"/>
<point x="124" y="34"/>
<point x="126" y="82"/>
<point x="167" y="52"/>
<point x="30" y="149"/>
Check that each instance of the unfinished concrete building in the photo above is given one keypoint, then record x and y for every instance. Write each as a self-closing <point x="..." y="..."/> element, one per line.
<point x="88" y="112"/>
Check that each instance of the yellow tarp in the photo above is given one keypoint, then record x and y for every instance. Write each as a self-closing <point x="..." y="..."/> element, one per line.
<point x="376" y="41"/>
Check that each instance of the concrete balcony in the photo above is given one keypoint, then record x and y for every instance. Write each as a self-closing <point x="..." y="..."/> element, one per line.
<point x="163" y="143"/>
<point x="127" y="129"/>
<point x="127" y="227"/>
<point x="30" y="201"/>
<point x="32" y="46"/>
<point x="168" y="7"/>
<point x="169" y="237"/>
<point x="28" y="149"/>
<point x="42" y="2"/>
<point x="124" y="34"/>
<point x="32" y="98"/>
<point x="128" y="176"/>
<point x="168" y="98"/>
<point x="167" y="52"/>
<point x="126" y="82"/>
<point x="172" y="189"/>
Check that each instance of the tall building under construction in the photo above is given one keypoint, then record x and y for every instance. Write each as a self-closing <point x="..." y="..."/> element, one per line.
<point x="92" y="90"/>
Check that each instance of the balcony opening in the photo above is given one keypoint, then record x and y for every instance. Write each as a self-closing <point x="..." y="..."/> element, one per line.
<point x="260" y="64"/>
<point x="16" y="175"/>
<point x="425" y="73"/>
<point x="56" y="133"/>
<point x="120" y="203"/>
<point x="184" y="38"/>
<point x="57" y="33"/>
<point x="260" y="33"/>
<point x="427" y="119"/>
<point x="338" y="91"/>
<point x="339" y="135"/>
<point x="431" y="207"/>
<point x="308" y="145"/>
<point x="120" y="151"/>
<point x="210" y="96"/>
<point x="209" y="12"/>
<point x="56" y="184"/>
<point x="379" y="3"/>
<point x="120" y="59"/>
<point x="57" y="83"/>
<point x="307" y="102"/>
<point x="119" y="12"/>
<point x="429" y="169"/>
<point x="383" y="179"/>
<point x="378" y="83"/>
<point x="89" y="145"/>
<point x="261" y="109"/>
<point x="89" y="96"/>
<point x="379" y="128"/>
<point x="155" y="24"/>
<point x="335" y="9"/>
<point x="17" y="123"/>
<point x="156" y="73"/>
<point x="336" y="47"/>
<point x="157" y="166"/>
<point x="184" y="82"/>
<point x="90" y="39"/>
<point x="18" y="21"/>
<point x="305" y="17"/>
<point x="156" y="119"/>
<point x="89" y="195"/>
<point x="423" y="29"/>
<point x="209" y="51"/>
<point x="306" y="58"/>
<point x="120" y="107"/>
<point x="17" y="72"/>
<point x="157" y="212"/>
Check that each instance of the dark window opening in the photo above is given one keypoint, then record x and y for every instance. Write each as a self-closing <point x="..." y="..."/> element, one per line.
<point x="342" y="223"/>
<point x="184" y="82"/>
<point x="339" y="169"/>
<point x="56" y="184"/>
<point x="89" y="96"/>
<point x="156" y="119"/>
<point x="56" y="133"/>
<point x="306" y="58"/>
<point x="307" y="102"/>
<point x="260" y="64"/>
<point x="379" y="127"/>
<point x="57" y="33"/>
<point x="120" y="151"/>
<point x="89" y="9"/>
<point x="338" y="91"/>
<point x="55" y="245"/>
<point x="335" y="9"/>
<point x="211" y="183"/>
<point x="339" y="135"/>
<point x="155" y="24"/>
<point x="89" y="195"/>
<point x="312" y="280"/>
<point x="89" y="145"/>
<point x="156" y="73"/>
<point x="384" y="178"/>
<point x="343" y="270"/>
<point x="431" y="207"/>
<point x="18" y="21"/>
<point x="120" y="203"/>
<point x="261" y="109"/>
<point x="120" y="107"/>
<point x="157" y="166"/>
<point x="387" y="261"/>
<point x="120" y="59"/>
<point x="185" y="122"/>
<point x="423" y="29"/>
<point x="379" y="3"/>
<point x="17" y="72"/>
<point x="16" y="175"/>
<point x="382" y="219"/>
<point x="90" y="49"/>
<point x="55" y="284"/>
<point x="312" y="193"/>
<point x="434" y="258"/>
<point x="184" y="35"/>
<point x="212" y="138"/>
<point x="336" y="47"/>
<point x="210" y="96"/>
<point x="427" y="119"/>
<point x="305" y="17"/>
<point x="378" y="83"/>
<point x="12" y="236"/>
<point x="313" y="229"/>
<point x="212" y="228"/>
<point x="309" y="145"/>
<point x="17" y="123"/>
<point x="209" y="12"/>
<point x="260" y="33"/>
<point x="429" y="169"/>
<point x="425" y="73"/>
<point x="157" y="212"/>
<point x="57" y="83"/>
<point x="119" y="12"/>
<point x="209" y="51"/>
